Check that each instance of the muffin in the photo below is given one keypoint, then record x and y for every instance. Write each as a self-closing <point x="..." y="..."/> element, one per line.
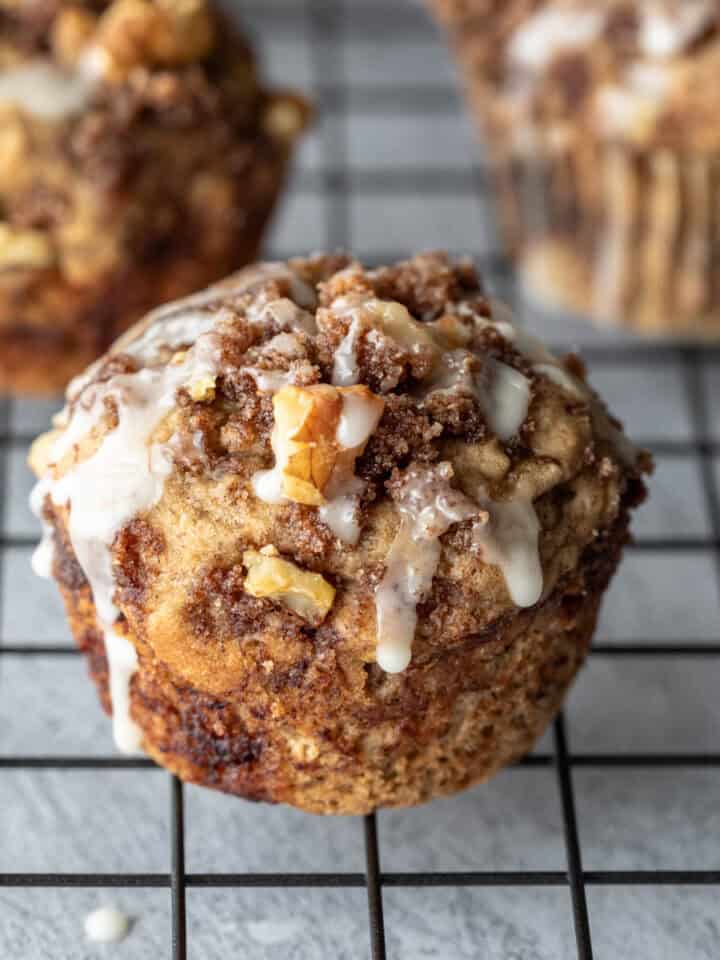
<point x="602" y="118"/>
<point x="334" y="537"/>
<point x="140" y="159"/>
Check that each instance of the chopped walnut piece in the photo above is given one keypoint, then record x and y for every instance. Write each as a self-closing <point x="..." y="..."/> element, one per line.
<point x="284" y="118"/>
<point x="137" y="33"/>
<point x="72" y="31"/>
<point x="202" y="390"/>
<point x="27" y="249"/>
<point x="305" y="593"/>
<point x="318" y="434"/>
<point x="306" y="419"/>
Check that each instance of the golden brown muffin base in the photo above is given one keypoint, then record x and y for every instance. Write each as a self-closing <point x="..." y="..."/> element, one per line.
<point x="455" y="719"/>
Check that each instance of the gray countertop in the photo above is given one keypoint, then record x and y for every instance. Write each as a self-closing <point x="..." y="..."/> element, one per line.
<point x="408" y="166"/>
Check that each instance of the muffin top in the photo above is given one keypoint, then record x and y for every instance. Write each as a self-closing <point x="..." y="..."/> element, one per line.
<point x="634" y="71"/>
<point x="94" y="97"/>
<point x="313" y="454"/>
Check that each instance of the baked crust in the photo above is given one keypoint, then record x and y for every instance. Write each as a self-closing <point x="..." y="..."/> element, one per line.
<point x="155" y="178"/>
<point x="240" y="686"/>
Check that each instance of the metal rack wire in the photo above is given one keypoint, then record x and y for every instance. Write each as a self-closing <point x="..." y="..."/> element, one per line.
<point x="326" y="23"/>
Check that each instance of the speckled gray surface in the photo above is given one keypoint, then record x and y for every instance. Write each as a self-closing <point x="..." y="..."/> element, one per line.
<point x="637" y="818"/>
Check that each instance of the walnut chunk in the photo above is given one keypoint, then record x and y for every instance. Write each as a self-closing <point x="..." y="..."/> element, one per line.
<point x="137" y="33"/>
<point x="304" y="440"/>
<point x="24" y="249"/>
<point x="304" y="749"/>
<point x="305" y="593"/>
<point x="202" y="390"/>
<point x="284" y="118"/>
<point x="319" y="432"/>
<point x="72" y="31"/>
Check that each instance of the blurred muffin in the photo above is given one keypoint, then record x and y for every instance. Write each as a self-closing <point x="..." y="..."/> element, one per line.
<point x="333" y="537"/>
<point x="139" y="159"/>
<point x="603" y="120"/>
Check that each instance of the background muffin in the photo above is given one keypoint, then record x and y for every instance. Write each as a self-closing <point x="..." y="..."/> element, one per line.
<point x="602" y="119"/>
<point x="334" y="537"/>
<point x="139" y="160"/>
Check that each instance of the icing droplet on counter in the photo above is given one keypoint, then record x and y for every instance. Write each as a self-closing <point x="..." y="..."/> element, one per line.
<point x="43" y="89"/>
<point x="428" y="507"/>
<point x="106" y="925"/>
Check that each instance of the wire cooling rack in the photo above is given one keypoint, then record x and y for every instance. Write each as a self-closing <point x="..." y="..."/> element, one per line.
<point x="384" y="163"/>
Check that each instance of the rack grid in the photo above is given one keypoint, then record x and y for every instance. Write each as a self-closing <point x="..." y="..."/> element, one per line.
<point x="327" y="28"/>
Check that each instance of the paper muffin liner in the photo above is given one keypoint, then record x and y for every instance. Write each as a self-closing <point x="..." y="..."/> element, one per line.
<point x="625" y="236"/>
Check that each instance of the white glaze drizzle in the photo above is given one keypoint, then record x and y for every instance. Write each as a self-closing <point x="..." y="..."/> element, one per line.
<point x="506" y="532"/>
<point x="106" y="925"/>
<point x="121" y="478"/>
<point x="428" y="507"/>
<point x="358" y="421"/>
<point x="502" y="393"/>
<point x="43" y="89"/>
<point x="550" y="31"/>
<point x="666" y="32"/>
<point x="559" y="376"/>
<point x="509" y="540"/>
<point x="340" y="512"/>
<point x="172" y="332"/>
<point x="285" y="313"/>
<point x="504" y="396"/>
<point x="44" y="553"/>
<point x="346" y="372"/>
<point x="545" y="364"/>
<point x="270" y="381"/>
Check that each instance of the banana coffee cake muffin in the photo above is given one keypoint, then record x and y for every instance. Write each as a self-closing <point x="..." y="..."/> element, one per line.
<point x="331" y="536"/>
<point x="139" y="160"/>
<point x="602" y="118"/>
